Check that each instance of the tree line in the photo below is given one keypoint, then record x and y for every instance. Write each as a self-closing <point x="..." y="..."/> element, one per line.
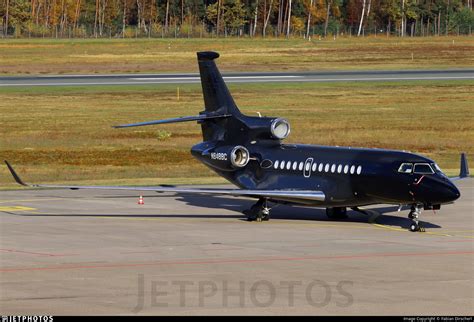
<point x="224" y="18"/>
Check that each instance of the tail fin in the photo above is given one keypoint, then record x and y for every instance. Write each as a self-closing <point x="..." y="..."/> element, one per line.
<point x="217" y="97"/>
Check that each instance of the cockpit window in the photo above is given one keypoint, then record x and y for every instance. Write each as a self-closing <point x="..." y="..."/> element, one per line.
<point x="423" y="168"/>
<point x="406" y="168"/>
<point x="436" y="167"/>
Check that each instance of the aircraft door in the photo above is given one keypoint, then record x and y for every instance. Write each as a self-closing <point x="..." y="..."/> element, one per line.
<point x="307" y="167"/>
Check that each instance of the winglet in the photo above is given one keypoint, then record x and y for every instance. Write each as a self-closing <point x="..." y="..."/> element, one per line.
<point x="15" y="175"/>
<point x="464" y="170"/>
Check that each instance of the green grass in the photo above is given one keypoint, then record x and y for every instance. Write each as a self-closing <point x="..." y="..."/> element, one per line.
<point x="53" y="56"/>
<point x="64" y="134"/>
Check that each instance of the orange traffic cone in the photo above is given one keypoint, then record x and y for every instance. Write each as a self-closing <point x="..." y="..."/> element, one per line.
<point x="140" y="201"/>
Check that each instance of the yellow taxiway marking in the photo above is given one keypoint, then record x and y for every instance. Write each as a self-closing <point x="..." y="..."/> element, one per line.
<point x="29" y="200"/>
<point x="447" y="234"/>
<point x="461" y="231"/>
<point x="16" y="208"/>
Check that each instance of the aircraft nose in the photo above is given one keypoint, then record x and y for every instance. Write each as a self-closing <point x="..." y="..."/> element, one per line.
<point x="451" y="192"/>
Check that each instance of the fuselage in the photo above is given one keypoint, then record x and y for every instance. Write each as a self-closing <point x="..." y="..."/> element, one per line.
<point x="348" y="176"/>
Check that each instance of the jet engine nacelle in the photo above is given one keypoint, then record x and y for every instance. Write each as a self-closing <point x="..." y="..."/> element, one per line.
<point x="225" y="158"/>
<point x="268" y="128"/>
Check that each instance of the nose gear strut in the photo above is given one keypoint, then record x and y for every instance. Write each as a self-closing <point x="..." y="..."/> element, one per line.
<point x="415" y="212"/>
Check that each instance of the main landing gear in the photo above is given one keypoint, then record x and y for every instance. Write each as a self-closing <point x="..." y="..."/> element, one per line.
<point x="259" y="211"/>
<point x="336" y="213"/>
<point x="415" y="212"/>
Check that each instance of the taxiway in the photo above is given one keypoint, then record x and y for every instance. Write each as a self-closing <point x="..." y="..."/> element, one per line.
<point x="97" y="252"/>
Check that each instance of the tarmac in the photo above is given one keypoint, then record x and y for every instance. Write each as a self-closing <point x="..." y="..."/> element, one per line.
<point x="88" y="252"/>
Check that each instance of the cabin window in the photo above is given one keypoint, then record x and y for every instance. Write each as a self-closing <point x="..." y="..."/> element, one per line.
<point x="320" y="168"/>
<point x="346" y="169"/>
<point x="295" y="165"/>
<point x="282" y="165"/>
<point x="339" y="168"/>
<point x="315" y="166"/>
<point x="333" y="168"/>
<point x="288" y="165"/>
<point x="423" y="168"/>
<point x="359" y="169"/>
<point x="307" y="166"/>
<point x="275" y="165"/>
<point x="353" y="169"/>
<point x="405" y="168"/>
<point x="326" y="168"/>
<point x="300" y="166"/>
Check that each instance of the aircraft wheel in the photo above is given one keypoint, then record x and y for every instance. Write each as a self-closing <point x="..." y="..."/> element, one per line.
<point x="336" y="213"/>
<point x="265" y="214"/>
<point x="417" y="227"/>
<point x="258" y="212"/>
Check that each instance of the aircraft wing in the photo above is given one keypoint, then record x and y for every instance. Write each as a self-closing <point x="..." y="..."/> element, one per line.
<point x="308" y="195"/>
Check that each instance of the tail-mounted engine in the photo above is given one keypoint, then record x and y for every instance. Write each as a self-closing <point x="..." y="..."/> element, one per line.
<point x="267" y="128"/>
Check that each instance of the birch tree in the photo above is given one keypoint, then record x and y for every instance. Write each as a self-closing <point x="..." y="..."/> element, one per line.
<point x="362" y="17"/>
<point x="267" y="18"/>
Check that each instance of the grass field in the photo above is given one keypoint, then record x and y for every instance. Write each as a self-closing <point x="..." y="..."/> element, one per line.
<point x="90" y="56"/>
<point x="59" y="134"/>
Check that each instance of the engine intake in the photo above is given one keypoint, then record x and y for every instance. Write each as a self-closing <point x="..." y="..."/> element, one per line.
<point x="239" y="157"/>
<point x="280" y="128"/>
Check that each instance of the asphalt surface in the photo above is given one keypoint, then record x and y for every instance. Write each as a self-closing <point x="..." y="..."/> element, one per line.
<point x="97" y="252"/>
<point x="139" y="79"/>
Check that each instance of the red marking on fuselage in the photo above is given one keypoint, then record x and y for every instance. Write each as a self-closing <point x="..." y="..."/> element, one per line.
<point x="419" y="180"/>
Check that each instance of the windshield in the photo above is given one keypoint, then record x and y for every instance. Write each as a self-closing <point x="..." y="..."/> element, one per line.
<point x="437" y="169"/>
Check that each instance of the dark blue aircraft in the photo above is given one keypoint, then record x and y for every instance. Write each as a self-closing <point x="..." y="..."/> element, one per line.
<point x="248" y="151"/>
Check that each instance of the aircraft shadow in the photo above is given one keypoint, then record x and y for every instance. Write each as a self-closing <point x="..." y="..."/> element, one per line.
<point x="285" y="212"/>
<point x="278" y="212"/>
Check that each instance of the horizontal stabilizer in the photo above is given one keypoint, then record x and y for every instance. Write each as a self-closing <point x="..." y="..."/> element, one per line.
<point x="202" y="117"/>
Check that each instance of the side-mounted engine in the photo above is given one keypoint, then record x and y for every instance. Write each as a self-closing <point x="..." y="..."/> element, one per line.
<point x="222" y="157"/>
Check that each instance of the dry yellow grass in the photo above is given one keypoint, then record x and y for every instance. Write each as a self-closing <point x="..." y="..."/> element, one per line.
<point x="64" y="133"/>
<point x="40" y="56"/>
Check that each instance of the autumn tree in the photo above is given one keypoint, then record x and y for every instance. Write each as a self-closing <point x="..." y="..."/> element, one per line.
<point x="120" y="18"/>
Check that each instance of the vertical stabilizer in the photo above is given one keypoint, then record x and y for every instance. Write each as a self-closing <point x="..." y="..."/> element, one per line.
<point x="217" y="97"/>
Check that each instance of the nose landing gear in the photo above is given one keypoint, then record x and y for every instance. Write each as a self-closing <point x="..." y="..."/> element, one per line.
<point x="415" y="212"/>
<point x="259" y="211"/>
